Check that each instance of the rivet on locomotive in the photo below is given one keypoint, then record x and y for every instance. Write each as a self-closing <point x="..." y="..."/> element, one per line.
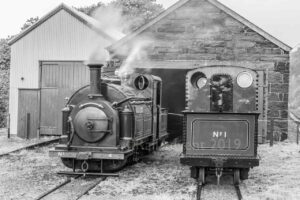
<point x="221" y="122"/>
<point x="112" y="121"/>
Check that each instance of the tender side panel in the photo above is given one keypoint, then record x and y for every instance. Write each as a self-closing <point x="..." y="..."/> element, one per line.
<point x="220" y="134"/>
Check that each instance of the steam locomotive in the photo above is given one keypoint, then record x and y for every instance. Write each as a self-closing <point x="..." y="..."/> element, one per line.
<point x="112" y="122"/>
<point x="221" y="122"/>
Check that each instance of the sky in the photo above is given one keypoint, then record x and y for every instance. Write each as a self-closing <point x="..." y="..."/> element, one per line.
<point x="280" y="18"/>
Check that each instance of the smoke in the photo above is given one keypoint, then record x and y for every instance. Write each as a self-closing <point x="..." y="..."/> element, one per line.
<point x="137" y="54"/>
<point x="112" y="22"/>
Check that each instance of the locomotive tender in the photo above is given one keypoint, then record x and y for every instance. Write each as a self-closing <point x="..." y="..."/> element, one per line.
<point x="221" y="122"/>
<point x="111" y="122"/>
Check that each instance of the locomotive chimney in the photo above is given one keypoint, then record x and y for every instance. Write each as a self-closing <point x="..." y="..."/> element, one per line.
<point x="95" y="79"/>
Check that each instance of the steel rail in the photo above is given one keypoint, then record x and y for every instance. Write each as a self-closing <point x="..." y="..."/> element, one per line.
<point x="200" y="187"/>
<point x="199" y="190"/>
<point x="238" y="192"/>
<point x="91" y="187"/>
<point x="43" y="143"/>
<point x="55" y="188"/>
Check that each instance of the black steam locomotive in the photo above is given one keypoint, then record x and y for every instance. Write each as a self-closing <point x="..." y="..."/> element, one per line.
<point x="111" y="122"/>
<point x="221" y="122"/>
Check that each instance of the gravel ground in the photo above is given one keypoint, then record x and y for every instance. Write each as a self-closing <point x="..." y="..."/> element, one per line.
<point x="162" y="177"/>
<point x="278" y="175"/>
<point x="14" y="142"/>
<point x="27" y="174"/>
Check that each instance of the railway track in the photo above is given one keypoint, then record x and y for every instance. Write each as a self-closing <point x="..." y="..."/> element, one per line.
<point x="71" y="189"/>
<point x="30" y="146"/>
<point x="200" y="188"/>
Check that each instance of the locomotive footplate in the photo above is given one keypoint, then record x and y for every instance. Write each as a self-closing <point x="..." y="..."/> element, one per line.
<point x="86" y="155"/>
<point x="224" y="162"/>
<point x="87" y="174"/>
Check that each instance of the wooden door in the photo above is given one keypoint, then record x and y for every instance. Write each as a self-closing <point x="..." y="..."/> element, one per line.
<point x="28" y="113"/>
<point x="59" y="80"/>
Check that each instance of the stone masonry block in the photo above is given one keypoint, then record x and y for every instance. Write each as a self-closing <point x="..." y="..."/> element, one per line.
<point x="273" y="105"/>
<point x="275" y="77"/>
<point x="284" y="114"/>
<point x="279" y="88"/>
<point x="273" y="113"/>
<point x="283" y="97"/>
<point x="273" y="97"/>
<point x="282" y="66"/>
<point x="286" y="77"/>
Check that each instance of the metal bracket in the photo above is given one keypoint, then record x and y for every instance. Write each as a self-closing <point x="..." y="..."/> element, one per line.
<point x="84" y="155"/>
<point x="219" y="162"/>
<point x="219" y="173"/>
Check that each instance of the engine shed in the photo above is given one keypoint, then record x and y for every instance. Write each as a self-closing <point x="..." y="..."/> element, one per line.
<point x="47" y="66"/>
<point x="193" y="34"/>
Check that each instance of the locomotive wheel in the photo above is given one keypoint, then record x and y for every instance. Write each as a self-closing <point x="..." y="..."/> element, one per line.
<point x="194" y="172"/>
<point x="68" y="162"/>
<point x="113" y="165"/>
<point x="201" y="177"/>
<point x="236" y="176"/>
<point x="244" y="173"/>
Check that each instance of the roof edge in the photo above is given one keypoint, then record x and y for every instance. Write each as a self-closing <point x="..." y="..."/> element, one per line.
<point x="36" y="24"/>
<point x="246" y="22"/>
<point x="213" y="2"/>
<point x="162" y="15"/>
<point x="60" y="7"/>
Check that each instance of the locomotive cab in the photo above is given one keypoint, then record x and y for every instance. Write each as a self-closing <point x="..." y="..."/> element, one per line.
<point x="110" y="122"/>
<point x="221" y="122"/>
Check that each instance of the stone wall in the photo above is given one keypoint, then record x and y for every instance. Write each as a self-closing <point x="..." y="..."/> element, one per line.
<point x="278" y="98"/>
<point x="199" y="31"/>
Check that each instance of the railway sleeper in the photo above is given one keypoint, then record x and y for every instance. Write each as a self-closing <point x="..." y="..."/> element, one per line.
<point x="242" y="173"/>
<point x="200" y="173"/>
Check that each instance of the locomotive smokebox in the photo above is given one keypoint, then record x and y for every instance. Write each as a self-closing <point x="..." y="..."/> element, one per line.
<point x="95" y="79"/>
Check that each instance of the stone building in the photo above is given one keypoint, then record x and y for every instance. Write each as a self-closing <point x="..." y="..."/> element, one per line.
<point x="197" y="33"/>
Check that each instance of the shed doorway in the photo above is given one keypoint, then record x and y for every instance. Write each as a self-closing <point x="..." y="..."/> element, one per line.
<point x="58" y="81"/>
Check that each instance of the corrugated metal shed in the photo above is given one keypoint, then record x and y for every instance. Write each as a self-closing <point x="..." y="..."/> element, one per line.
<point x="62" y="35"/>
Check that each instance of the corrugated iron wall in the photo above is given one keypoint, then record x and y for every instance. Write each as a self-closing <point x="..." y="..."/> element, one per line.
<point x="62" y="37"/>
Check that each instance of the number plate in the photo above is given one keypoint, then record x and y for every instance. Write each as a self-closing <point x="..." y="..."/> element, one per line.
<point x="67" y="154"/>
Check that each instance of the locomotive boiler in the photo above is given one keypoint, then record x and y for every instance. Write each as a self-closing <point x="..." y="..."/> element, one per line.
<point x="221" y="122"/>
<point x="111" y="122"/>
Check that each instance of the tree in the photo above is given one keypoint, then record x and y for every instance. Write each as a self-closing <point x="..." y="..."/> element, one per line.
<point x="4" y="79"/>
<point x="138" y="12"/>
<point x="135" y="12"/>
<point x="29" y="22"/>
<point x="90" y="9"/>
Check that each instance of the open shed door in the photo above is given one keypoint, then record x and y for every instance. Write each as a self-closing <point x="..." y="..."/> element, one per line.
<point x="58" y="81"/>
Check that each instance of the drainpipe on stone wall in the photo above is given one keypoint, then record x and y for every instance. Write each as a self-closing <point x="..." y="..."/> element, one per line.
<point x="8" y="125"/>
<point x="297" y="133"/>
<point x="272" y="134"/>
